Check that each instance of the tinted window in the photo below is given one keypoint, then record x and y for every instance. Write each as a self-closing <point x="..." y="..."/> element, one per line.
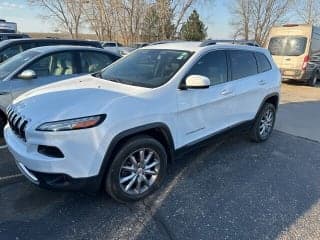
<point x="263" y="63"/>
<point x="146" y="67"/>
<point x="10" y="52"/>
<point x="54" y="65"/>
<point x="92" y="61"/>
<point x="214" y="66"/>
<point x="287" y="46"/>
<point x="243" y="64"/>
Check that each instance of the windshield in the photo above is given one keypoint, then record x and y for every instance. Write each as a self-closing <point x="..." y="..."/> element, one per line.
<point x="15" y="62"/>
<point x="146" y="67"/>
<point x="287" y="46"/>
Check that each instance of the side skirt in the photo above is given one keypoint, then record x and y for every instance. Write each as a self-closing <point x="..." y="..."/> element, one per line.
<point x="237" y="128"/>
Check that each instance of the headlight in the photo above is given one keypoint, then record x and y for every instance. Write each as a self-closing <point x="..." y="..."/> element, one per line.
<point x="72" y="124"/>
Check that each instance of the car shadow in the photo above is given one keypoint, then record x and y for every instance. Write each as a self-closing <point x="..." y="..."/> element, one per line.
<point x="240" y="190"/>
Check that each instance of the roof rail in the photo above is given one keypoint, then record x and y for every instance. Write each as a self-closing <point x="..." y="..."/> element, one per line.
<point x="240" y="42"/>
<point x="166" y="41"/>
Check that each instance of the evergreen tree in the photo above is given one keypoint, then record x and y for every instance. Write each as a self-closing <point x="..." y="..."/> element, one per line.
<point x="194" y="29"/>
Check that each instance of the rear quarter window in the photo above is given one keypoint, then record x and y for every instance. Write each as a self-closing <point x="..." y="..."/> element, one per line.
<point x="262" y="62"/>
<point x="243" y="64"/>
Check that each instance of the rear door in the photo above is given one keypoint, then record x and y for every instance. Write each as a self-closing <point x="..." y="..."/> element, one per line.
<point x="248" y="86"/>
<point x="49" y="69"/>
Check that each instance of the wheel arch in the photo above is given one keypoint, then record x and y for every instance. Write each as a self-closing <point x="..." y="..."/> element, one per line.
<point x="159" y="131"/>
<point x="272" y="98"/>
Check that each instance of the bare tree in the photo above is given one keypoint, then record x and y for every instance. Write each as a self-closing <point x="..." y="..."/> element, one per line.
<point x="126" y="20"/>
<point x="242" y="14"/>
<point x="308" y="11"/>
<point x="129" y="15"/>
<point x="66" y="13"/>
<point x="180" y="8"/>
<point x="100" y="17"/>
<point x="254" y="18"/>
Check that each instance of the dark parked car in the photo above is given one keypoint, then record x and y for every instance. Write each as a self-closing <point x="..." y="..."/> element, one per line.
<point x="9" y="48"/>
<point x="7" y="36"/>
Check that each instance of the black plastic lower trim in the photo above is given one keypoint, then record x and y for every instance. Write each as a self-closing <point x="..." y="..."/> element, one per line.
<point x="54" y="181"/>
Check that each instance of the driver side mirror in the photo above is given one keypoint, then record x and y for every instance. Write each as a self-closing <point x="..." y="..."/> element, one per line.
<point x="27" y="75"/>
<point x="197" y="82"/>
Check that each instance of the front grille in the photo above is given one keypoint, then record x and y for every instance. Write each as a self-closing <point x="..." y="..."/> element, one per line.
<point x="17" y="123"/>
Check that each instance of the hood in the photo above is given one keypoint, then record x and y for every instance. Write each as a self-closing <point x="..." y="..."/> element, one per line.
<point x="77" y="97"/>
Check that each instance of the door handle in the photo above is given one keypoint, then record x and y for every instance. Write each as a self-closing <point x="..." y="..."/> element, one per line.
<point x="4" y="93"/>
<point x="262" y="82"/>
<point x="226" y="92"/>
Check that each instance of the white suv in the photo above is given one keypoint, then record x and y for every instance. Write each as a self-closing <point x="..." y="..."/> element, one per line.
<point x="119" y="128"/>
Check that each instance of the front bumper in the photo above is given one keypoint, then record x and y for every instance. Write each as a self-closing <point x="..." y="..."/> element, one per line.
<point x="79" y="167"/>
<point x="60" y="181"/>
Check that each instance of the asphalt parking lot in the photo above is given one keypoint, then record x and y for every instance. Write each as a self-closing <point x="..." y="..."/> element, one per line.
<point x="230" y="188"/>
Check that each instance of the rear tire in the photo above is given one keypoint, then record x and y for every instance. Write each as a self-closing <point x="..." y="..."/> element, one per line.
<point x="264" y="123"/>
<point x="313" y="80"/>
<point x="137" y="170"/>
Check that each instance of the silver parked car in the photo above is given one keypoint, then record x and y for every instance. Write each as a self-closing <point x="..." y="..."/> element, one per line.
<point x="45" y="65"/>
<point x="117" y="48"/>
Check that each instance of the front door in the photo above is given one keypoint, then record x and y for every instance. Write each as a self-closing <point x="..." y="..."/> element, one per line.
<point x="202" y="112"/>
<point x="49" y="69"/>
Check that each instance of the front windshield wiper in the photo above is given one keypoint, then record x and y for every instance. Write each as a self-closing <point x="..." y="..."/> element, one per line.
<point x="123" y="81"/>
<point x="97" y="74"/>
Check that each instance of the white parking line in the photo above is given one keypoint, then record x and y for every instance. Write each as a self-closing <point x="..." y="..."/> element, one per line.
<point x="3" y="147"/>
<point x="10" y="177"/>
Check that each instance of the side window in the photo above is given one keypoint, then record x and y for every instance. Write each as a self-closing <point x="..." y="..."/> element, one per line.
<point x="93" y="61"/>
<point x="243" y="64"/>
<point x="57" y="64"/>
<point x="10" y="52"/>
<point x="263" y="62"/>
<point x="214" y="66"/>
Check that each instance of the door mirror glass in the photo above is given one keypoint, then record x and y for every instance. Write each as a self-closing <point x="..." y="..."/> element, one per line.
<point x="27" y="75"/>
<point x="197" y="81"/>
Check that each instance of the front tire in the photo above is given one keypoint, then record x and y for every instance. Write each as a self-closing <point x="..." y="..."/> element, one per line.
<point x="137" y="170"/>
<point x="264" y="123"/>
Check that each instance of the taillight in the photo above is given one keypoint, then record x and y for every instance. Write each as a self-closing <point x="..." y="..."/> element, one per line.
<point x="305" y="62"/>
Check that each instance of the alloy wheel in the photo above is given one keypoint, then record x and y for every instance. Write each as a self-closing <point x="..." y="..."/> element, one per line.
<point x="139" y="171"/>
<point x="266" y="123"/>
